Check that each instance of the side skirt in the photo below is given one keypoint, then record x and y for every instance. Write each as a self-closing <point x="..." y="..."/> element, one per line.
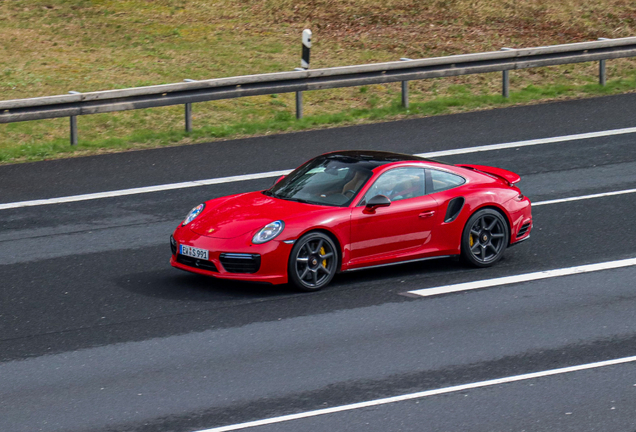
<point x="398" y="262"/>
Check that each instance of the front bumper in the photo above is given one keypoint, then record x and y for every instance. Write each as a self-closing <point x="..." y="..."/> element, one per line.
<point x="273" y="257"/>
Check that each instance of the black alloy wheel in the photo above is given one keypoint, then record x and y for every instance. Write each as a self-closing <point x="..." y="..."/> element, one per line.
<point x="485" y="238"/>
<point x="313" y="261"/>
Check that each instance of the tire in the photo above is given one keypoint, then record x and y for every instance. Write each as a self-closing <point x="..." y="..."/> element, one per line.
<point x="485" y="238"/>
<point x="313" y="262"/>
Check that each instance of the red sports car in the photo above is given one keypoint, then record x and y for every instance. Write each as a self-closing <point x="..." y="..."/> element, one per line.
<point x="351" y="210"/>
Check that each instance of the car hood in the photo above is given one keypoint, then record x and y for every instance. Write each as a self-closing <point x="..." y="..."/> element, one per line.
<point x="240" y="214"/>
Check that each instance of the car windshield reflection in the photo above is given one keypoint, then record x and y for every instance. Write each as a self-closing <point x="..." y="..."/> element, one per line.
<point x="327" y="180"/>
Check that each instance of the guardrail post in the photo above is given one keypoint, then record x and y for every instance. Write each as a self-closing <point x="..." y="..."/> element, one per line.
<point x="602" y="76"/>
<point x="73" y="130"/>
<point x="299" y="100"/>
<point x="73" y="125"/>
<point x="299" y="104"/>
<point x="505" y="79"/>
<point x="405" y="88"/>
<point x="505" y="84"/>
<point x="188" y="112"/>
<point x="188" y="117"/>
<point x="304" y="65"/>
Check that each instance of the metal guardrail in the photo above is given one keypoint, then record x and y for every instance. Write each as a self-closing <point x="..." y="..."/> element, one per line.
<point x="184" y="93"/>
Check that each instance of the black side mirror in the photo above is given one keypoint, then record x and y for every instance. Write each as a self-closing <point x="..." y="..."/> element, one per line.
<point x="378" y="201"/>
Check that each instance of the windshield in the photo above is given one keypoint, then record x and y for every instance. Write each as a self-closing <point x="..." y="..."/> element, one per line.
<point x="326" y="180"/>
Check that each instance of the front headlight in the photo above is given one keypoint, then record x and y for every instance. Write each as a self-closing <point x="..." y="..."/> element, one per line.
<point x="193" y="214"/>
<point x="268" y="232"/>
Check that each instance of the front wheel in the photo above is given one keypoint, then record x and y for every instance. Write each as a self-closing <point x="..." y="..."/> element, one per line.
<point x="485" y="238"/>
<point x="313" y="262"/>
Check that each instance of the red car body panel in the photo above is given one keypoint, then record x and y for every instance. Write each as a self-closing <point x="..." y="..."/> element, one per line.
<point x="408" y="229"/>
<point x="395" y="230"/>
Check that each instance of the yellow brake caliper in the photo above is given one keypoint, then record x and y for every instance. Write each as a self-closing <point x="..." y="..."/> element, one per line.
<point x="322" y="252"/>
<point x="471" y="242"/>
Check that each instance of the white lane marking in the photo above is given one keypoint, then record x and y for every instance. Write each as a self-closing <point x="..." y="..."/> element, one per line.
<point x="426" y="292"/>
<point x="142" y="190"/>
<point x="184" y="185"/>
<point x="583" y="197"/>
<point x="528" y="142"/>
<point x="423" y="394"/>
<point x="171" y="186"/>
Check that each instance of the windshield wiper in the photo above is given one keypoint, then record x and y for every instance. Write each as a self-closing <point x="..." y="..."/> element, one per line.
<point x="300" y="200"/>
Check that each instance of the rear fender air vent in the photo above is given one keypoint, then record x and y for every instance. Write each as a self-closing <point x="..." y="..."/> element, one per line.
<point x="523" y="230"/>
<point x="454" y="208"/>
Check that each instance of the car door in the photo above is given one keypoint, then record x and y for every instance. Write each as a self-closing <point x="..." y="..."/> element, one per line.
<point x="403" y="227"/>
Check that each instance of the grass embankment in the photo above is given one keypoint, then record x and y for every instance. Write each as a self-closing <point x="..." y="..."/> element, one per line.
<point x="51" y="47"/>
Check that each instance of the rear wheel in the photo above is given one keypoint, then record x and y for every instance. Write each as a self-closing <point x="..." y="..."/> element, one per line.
<point x="485" y="238"/>
<point x="313" y="261"/>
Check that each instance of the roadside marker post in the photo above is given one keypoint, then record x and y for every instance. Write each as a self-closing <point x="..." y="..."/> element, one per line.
<point x="304" y="61"/>
<point x="74" y="125"/>
<point x="304" y="65"/>
<point x="405" y="88"/>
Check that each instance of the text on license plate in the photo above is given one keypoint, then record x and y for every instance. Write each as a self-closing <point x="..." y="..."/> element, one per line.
<point x="193" y="252"/>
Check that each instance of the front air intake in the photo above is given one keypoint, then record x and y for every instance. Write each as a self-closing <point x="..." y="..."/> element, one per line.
<point x="240" y="262"/>
<point x="196" y="263"/>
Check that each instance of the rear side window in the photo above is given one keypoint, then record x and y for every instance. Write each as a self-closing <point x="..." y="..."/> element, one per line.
<point x="442" y="180"/>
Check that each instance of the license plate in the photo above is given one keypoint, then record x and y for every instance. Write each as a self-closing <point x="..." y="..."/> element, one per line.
<point x="193" y="252"/>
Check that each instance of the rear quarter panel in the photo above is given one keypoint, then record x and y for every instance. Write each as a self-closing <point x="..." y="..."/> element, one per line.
<point x="477" y="195"/>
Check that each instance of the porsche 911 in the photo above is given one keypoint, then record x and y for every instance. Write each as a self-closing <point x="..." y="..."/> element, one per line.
<point x="352" y="210"/>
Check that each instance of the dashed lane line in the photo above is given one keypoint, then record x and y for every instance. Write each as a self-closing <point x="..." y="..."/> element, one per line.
<point x="231" y="179"/>
<point x="486" y="283"/>
<point x="527" y="143"/>
<point x="583" y="197"/>
<point x="423" y="394"/>
<point x="142" y="190"/>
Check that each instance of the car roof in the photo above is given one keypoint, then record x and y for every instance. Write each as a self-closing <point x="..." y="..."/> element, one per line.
<point x="374" y="158"/>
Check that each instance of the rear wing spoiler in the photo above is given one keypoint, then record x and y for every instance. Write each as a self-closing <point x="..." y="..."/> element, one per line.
<point x="508" y="176"/>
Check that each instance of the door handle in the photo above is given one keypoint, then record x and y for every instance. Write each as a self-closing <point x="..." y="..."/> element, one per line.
<point x="427" y="214"/>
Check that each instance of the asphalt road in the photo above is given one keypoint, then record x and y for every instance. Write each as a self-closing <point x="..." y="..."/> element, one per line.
<point x="99" y="333"/>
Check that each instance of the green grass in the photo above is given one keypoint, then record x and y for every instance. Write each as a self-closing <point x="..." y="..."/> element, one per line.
<point x="460" y="99"/>
<point x="50" y="47"/>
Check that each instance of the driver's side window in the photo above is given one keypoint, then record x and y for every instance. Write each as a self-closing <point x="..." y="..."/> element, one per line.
<point x="398" y="184"/>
